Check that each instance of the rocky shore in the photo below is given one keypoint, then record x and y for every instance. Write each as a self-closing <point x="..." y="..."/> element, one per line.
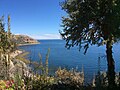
<point x="29" y="44"/>
<point x="17" y="66"/>
<point x="15" y="53"/>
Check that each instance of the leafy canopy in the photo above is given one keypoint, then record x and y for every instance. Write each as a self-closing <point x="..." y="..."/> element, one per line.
<point x="4" y="43"/>
<point x="90" y="22"/>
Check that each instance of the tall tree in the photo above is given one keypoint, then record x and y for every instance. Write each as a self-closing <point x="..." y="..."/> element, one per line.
<point x="7" y="45"/>
<point x="90" y="22"/>
<point x="4" y="43"/>
<point x="4" y="49"/>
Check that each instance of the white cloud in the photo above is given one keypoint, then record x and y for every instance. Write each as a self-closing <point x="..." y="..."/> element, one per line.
<point x="46" y="36"/>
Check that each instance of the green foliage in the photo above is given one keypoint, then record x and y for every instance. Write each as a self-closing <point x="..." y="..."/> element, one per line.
<point x="90" y="22"/>
<point x="40" y="79"/>
<point x="46" y="62"/>
<point x="7" y="85"/>
<point x="39" y="67"/>
<point x="70" y="77"/>
<point x="18" y="80"/>
<point x="6" y="44"/>
<point x="43" y="82"/>
<point x="6" y="47"/>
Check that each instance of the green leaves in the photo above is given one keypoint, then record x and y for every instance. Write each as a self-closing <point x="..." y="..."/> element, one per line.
<point x="6" y="44"/>
<point x="90" y="21"/>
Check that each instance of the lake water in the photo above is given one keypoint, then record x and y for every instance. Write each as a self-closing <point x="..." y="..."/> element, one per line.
<point x="73" y="58"/>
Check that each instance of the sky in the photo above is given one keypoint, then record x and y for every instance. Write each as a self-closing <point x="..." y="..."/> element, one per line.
<point x="40" y="19"/>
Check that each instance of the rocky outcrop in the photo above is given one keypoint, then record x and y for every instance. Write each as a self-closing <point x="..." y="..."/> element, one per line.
<point x="24" y="39"/>
<point x="11" y="67"/>
<point x="19" y="67"/>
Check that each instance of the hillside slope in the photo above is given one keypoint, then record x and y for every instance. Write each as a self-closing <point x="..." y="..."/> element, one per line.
<point x="24" y="39"/>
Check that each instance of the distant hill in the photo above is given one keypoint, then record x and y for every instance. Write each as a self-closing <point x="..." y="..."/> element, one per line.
<point x="23" y="39"/>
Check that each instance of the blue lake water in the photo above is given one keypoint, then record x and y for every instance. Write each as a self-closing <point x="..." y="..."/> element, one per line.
<point x="73" y="58"/>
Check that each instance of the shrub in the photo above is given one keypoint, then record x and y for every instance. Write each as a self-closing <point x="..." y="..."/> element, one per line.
<point x="7" y="85"/>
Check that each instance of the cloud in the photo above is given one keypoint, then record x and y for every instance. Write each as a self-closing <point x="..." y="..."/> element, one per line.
<point x="46" y="36"/>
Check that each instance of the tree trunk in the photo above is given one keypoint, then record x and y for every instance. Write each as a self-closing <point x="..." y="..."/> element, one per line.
<point x="111" y="65"/>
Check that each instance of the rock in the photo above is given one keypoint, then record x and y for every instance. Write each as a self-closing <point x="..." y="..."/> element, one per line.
<point x="20" y="68"/>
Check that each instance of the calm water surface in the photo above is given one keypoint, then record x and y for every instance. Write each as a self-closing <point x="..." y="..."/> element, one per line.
<point x="62" y="57"/>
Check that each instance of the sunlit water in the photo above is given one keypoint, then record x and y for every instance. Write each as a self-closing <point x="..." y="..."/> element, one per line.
<point x="73" y="58"/>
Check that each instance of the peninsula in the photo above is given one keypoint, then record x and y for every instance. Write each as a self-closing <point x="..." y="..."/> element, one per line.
<point x="24" y="40"/>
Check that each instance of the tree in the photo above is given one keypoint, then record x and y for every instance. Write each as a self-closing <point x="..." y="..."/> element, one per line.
<point x="7" y="45"/>
<point x="91" y="22"/>
<point x="4" y="48"/>
<point x="4" y="42"/>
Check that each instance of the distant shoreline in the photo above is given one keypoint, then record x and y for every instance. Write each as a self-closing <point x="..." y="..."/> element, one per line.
<point x="49" y="39"/>
<point x="28" y="44"/>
